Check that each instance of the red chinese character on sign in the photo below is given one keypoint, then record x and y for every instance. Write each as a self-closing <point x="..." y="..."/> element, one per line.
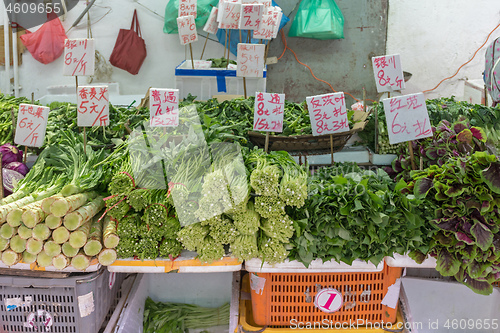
<point x="315" y="103"/>
<point x="396" y="104"/>
<point x="30" y="125"/>
<point x="93" y="93"/>
<point x="327" y="100"/>
<point x="93" y="108"/>
<point x="169" y="97"/>
<point x="412" y="102"/>
<point x="156" y="96"/>
<point x="277" y="110"/>
<point x="248" y="10"/>
<point x="102" y="93"/>
<point x="30" y="110"/>
<point x="275" y="98"/>
<point x="82" y="108"/>
<point x="338" y="112"/>
<point x="420" y="128"/>
<point x="39" y="112"/>
<point x="393" y="61"/>
<point x="381" y="63"/>
<point x="83" y="93"/>
<point x="322" y="126"/>
<point x="339" y="125"/>
<point x="261" y="124"/>
<point x="158" y="109"/>
<point x="23" y="109"/>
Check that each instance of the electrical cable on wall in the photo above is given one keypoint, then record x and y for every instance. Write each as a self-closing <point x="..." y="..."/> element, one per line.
<point x="459" y="68"/>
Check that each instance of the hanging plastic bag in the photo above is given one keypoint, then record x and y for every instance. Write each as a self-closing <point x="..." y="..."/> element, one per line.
<point x="203" y="9"/>
<point x="47" y="43"/>
<point x="129" y="51"/>
<point x="491" y="74"/>
<point x="318" y="19"/>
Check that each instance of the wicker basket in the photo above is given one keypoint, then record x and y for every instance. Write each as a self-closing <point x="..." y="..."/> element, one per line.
<point x="310" y="144"/>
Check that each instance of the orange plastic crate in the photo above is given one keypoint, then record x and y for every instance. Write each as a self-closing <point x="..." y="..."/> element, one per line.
<point x="284" y="297"/>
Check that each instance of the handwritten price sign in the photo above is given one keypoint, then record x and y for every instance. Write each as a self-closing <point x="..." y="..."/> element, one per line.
<point x="328" y="113"/>
<point x="187" y="7"/>
<point x="211" y="25"/>
<point x="250" y="60"/>
<point x="93" y="106"/>
<point x="164" y="107"/>
<point x="229" y="15"/>
<point x="187" y="29"/>
<point x="268" y="112"/>
<point x="79" y="57"/>
<point x="388" y="73"/>
<point x="407" y="118"/>
<point x="251" y="15"/>
<point x="31" y="125"/>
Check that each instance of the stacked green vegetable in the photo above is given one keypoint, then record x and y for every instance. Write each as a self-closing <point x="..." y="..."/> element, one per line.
<point x="179" y="318"/>
<point x="53" y="215"/>
<point x="358" y="214"/>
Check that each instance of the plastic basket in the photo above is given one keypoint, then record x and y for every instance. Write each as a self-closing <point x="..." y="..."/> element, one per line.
<point x="280" y="298"/>
<point x="76" y="304"/>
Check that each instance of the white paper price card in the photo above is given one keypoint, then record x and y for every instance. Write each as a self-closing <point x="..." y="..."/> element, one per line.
<point x="407" y="118"/>
<point x="187" y="29"/>
<point x="229" y="15"/>
<point x="251" y="16"/>
<point x="268" y="112"/>
<point x="276" y="15"/>
<point x="79" y="57"/>
<point x="164" y="107"/>
<point x="188" y="7"/>
<point x="328" y="113"/>
<point x="211" y="25"/>
<point x="93" y="106"/>
<point x="86" y="304"/>
<point x="250" y="60"/>
<point x="388" y="73"/>
<point x="265" y="29"/>
<point x="31" y="125"/>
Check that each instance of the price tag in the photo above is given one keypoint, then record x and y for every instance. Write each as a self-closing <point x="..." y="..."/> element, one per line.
<point x="250" y="60"/>
<point x="251" y="15"/>
<point x="79" y="57"/>
<point x="188" y="7"/>
<point x="276" y="15"/>
<point x="211" y="25"/>
<point x="328" y="113"/>
<point x="388" y="73"/>
<point x="407" y="118"/>
<point x="229" y="15"/>
<point x="187" y="29"/>
<point x="31" y="125"/>
<point x="268" y="112"/>
<point x="93" y="106"/>
<point x="265" y="29"/>
<point x="164" y="107"/>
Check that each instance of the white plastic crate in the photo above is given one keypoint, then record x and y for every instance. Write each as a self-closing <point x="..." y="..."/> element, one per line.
<point x="76" y="304"/>
<point x="205" y="83"/>
<point x="206" y="289"/>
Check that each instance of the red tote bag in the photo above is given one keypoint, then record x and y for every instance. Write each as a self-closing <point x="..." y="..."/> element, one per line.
<point x="130" y="49"/>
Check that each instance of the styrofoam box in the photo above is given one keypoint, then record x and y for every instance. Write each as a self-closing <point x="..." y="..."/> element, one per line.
<point x="356" y="154"/>
<point x="205" y="83"/>
<point x="435" y="306"/>
<point x="316" y="266"/>
<point x="94" y="266"/>
<point x="398" y="260"/>
<point x="209" y="290"/>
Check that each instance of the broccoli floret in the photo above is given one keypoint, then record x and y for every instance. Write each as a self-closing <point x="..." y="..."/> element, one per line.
<point x="192" y="236"/>
<point x="269" y="206"/>
<point x="279" y="228"/>
<point x="210" y="250"/>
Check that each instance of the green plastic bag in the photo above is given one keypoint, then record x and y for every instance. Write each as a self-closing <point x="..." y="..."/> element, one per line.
<point x="319" y="19"/>
<point x="204" y="8"/>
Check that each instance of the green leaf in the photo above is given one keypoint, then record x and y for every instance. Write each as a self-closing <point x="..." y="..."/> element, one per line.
<point x="446" y="263"/>
<point x="491" y="176"/>
<point x="482" y="235"/>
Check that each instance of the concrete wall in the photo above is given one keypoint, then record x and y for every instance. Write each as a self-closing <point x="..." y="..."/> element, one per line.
<point x="433" y="38"/>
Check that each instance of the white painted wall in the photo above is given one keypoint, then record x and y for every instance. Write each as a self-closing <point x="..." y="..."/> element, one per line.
<point x="164" y="50"/>
<point x="435" y="37"/>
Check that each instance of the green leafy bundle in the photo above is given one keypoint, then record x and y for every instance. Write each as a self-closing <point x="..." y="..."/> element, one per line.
<point x="465" y="195"/>
<point x="354" y="214"/>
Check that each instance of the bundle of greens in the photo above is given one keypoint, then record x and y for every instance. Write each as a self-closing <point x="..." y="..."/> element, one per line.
<point x="179" y="318"/>
<point x="357" y="214"/>
<point x="464" y="194"/>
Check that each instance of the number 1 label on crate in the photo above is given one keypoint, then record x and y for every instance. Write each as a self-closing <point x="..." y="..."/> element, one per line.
<point x="164" y="107"/>
<point x="268" y="112"/>
<point x="328" y="113"/>
<point x="328" y="300"/>
<point x="93" y="106"/>
<point x="79" y="57"/>
<point x="31" y="125"/>
<point x="250" y="60"/>
<point x="407" y="118"/>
